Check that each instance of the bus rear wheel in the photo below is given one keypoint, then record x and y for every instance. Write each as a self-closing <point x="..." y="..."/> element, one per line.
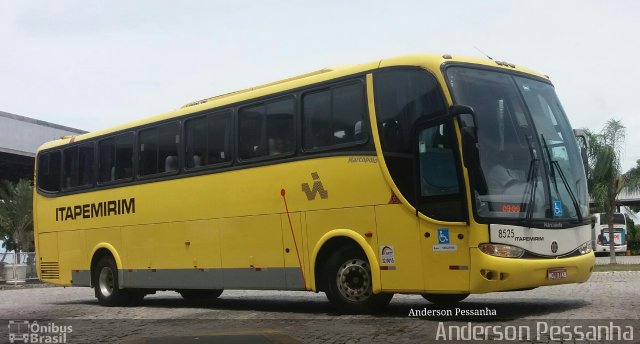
<point x="443" y="299"/>
<point x="200" y="294"/>
<point x="107" y="288"/>
<point x="348" y="283"/>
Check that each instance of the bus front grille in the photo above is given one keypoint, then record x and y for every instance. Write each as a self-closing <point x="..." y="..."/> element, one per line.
<point x="49" y="270"/>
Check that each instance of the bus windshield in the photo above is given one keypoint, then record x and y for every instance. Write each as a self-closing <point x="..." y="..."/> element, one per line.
<point x="530" y="166"/>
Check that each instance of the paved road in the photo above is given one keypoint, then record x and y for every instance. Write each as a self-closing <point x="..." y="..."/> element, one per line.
<point x="292" y="317"/>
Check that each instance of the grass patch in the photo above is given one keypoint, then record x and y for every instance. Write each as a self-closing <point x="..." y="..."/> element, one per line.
<point x="617" y="267"/>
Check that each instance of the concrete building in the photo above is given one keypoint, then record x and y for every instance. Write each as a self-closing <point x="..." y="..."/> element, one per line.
<point x="19" y="138"/>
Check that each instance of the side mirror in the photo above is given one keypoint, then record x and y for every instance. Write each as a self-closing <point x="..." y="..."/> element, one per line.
<point x="459" y="109"/>
<point x="583" y="144"/>
<point x="467" y="120"/>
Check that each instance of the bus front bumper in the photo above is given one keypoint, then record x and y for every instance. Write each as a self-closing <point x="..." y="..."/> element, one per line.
<point x="489" y="273"/>
<point x="605" y="248"/>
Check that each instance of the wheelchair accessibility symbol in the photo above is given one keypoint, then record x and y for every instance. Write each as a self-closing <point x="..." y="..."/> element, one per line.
<point x="557" y="208"/>
<point x="443" y="236"/>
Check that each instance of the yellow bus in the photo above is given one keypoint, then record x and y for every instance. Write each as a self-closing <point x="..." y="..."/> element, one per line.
<point x="434" y="175"/>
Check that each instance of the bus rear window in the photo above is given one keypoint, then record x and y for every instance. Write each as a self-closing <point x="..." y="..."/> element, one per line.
<point x="49" y="171"/>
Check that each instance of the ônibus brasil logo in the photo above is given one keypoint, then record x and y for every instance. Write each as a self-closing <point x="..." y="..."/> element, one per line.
<point x="24" y="331"/>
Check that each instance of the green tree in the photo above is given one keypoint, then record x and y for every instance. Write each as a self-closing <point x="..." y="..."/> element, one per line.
<point x="604" y="176"/>
<point x="16" y="215"/>
<point x="631" y="228"/>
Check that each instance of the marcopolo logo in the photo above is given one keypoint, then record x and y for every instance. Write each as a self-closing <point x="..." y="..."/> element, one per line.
<point x="318" y="188"/>
<point x="24" y="331"/>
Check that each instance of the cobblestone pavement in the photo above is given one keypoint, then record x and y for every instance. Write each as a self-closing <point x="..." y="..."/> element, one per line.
<point x="292" y="317"/>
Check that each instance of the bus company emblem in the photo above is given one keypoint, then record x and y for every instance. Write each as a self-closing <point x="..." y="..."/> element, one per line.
<point x="317" y="188"/>
<point x="554" y="247"/>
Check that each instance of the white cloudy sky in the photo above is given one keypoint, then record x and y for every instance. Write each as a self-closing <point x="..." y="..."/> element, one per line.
<point x="93" y="64"/>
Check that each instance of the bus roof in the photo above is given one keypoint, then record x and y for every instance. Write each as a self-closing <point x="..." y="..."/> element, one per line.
<point x="431" y="61"/>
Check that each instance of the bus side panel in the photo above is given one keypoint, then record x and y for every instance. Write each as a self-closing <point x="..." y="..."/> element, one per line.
<point x="203" y="238"/>
<point x="48" y="263"/>
<point x="73" y="256"/>
<point x="295" y="260"/>
<point x="359" y="220"/>
<point x="168" y="245"/>
<point x="252" y="252"/>
<point x="398" y="230"/>
<point x="107" y="235"/>
<point x="138" y="242"/>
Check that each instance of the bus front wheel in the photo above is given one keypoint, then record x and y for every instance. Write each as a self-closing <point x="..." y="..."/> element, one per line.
<point x="348" y="283"/>
<point x="443" y="299"/>
<point x="107" y="287"/>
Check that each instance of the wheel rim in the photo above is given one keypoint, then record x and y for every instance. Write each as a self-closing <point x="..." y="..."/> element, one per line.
<point x="354" y="280"/>
<point x="106" y="281"/>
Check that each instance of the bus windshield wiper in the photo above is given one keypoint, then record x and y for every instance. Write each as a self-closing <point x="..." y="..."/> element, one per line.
<point x="532" y="181"/>
<point x="553" y="164"/>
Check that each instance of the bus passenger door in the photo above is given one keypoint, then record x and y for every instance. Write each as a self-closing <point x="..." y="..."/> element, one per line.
<point x="444" y="233"/>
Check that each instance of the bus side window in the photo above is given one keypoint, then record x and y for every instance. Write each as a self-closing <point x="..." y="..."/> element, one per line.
<point x="347" y="110"/>
<point x="208" y="140"/>
<point x="78" y="166"/>
<point x="70" y="168"/>
<point x="280" y="131"/>
<point x="439" y="184"/>
<point x="251" y="136"/>
<point x="334" y="116"/>
<point x="266" y="129"/>
<point x="195" y="132"/>
<point x="317" y="119"/>
<point x="157" y="146"/>
<point x="115" y="158"/>
<point x="219" y="136"/>
<point x="437" y="163"/>
<point x="85" y="164"/>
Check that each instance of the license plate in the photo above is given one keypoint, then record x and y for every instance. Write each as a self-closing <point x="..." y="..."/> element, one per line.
<point x="556" y="274"/>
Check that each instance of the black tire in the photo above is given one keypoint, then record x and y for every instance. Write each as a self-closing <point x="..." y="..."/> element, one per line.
<point x="200" y="294"/>
<point x="107" y="287"/>
<point x="348" y="284"/>
<point x="444" y="299"/>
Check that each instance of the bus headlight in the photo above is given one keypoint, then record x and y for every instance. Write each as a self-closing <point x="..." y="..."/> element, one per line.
<point x="585" y="248"/>
<point x="500" y="250"/>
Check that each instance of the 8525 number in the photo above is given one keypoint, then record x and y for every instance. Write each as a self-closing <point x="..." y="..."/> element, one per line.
<point x="506" y="233"/>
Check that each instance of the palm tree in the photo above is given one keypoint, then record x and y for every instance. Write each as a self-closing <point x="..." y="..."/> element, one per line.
<point x="16" y="215"/>
<point x="604" y="175"/>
